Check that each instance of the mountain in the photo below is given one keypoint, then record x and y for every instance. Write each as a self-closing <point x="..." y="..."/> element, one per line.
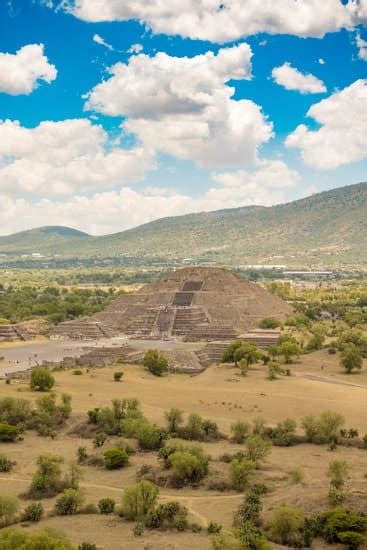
<point x="40" y="240"/>
<point x="325" y="229"/>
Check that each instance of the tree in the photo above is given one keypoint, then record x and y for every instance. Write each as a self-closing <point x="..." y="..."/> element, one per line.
<point x="69" y="502"/>
<point x="41" y="379"/>
<point x="47" y="481"/>
<point x="174" y="419"/>
<point x="33" y="512"/>
<point x="351" y="358"/>
<point x="239" y="472"/>
<point x="138" y="500"/>
<point x="155" y="362"/>
<point x="289" y="349"/>
<point x="248" y="352"/>
<point x="240" y="431"/>
<point x="286" y="525"/>
<point x="9" y="507"/>
<point x="188" y="464"/>
<point x="257" y="448"/>
<point x="115" y="459"/>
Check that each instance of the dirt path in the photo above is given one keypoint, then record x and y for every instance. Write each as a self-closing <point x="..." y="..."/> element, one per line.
<point x="326" y="380"/>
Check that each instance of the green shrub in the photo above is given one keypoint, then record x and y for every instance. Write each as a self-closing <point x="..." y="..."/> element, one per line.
<point x="117" y="376"/>
<point x="5" y="463"/>
<point x="251" y="507"/>
<point x="8" y="433"/>
<point x="240" y="472"/>
<point x="77" y="372"/>
<point x="139" y="529"/>
<point x="335" y="496"/>
<point x="9" y="507"/>
<point x="284" y="434"/>
<point x="170" y="515"/>
<point x="33" y="512"/>
<point x="82" y="455"/>
<point x="15" y="411"/>
<point x="240" y="431"/>
<point x="296" y="476"/>
<point x="106" y="505"/>
<point x="213" y="528"/>
<point x="332" y="523"/>
<point x="69" y="502"/>
<point x="174" y="419"/>
<point x="115" y="459"/>
<point x="138" y="500"/>
<point x="188" y="465"/>
<point x="351" y="358"/>
<point x="258" y="448"/>
<point x="41" y="379"/>
<point x="149" y="436"/>
<point x="269" y="323"/>
<point x="87" y="546"/>
<point x="47" y="481"/>
<point x="323" y="429"/>
<point x="286" y="525"/>
<point x="14" y="539"/>
<point x="338" y="472"/>
<point x="352" y="540"/>
<point x="155" y="362"/>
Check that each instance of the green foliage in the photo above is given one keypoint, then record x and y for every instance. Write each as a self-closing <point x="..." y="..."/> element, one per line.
<point x="111" y="420"/>
<point x="323" y="428"/>
<point x="240" y="472"/>
<point x="139" y="500"/>
<point x="155" y="362"/>
<point x="213" y="528"/>
<point x="18" y="539"/>
<point x="240" y="431"/>
<point x="49" y="416"/>
<point x="47" y="481"/>
<point x="333" y="523"/>
<point x="82" y="455"/>
<point x="199" y="429"/>
<point x="9" y="507"/>
<point x="6" y="464"/>
<point x="289" y="350"/>
<point x="69" y="502"/>
<point x="338" y="473"/>
<point x="250" y="509"/>
<point x="106" y="505"/>
<point x="14" y="411"/>
<point x="258" y="448"/>
<point x="351" y="358"/>
<point x="286" y="525"/>
<point x="171" y="515"/>
<point x="251" y="538"/>
<point x="352" y="540"/>
<point x="56" y="305"/>
<point x="174" y="419"/>
<point x="8" y="433"/>
<point x="274" y="370"/>
<point x="296" y="476"/>
<point x="189" y="465"/>
<point x="284" y="434"/>
<point x="117" y="376"/>
<point x="115" y="459"/>
<point x="41" y="379"/>
<point x="33" y="512"/>
<point x="225" y="542"/>
<point x="269" y="323"/>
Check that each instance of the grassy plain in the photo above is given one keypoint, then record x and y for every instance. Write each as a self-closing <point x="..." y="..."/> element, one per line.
<point x="220" y="394"/>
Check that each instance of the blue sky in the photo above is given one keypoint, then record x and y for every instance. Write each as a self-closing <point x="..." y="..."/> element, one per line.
<point x="104" y="150"/>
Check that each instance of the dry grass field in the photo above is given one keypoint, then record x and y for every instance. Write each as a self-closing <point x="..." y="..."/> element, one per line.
<point x="220" y="394"/>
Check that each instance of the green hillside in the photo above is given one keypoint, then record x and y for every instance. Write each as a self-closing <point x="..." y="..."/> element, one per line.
<point x="328" y="228"/>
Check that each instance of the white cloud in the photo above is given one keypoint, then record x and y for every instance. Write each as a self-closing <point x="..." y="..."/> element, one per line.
<point x="270" y="174"/>
<point x="183" y="106"/>
<point x="321" y="61"/>
<point x="21" y="72"/>
<point x="102" y="42"/>
<point x="292" y="79"/>
<point x="135" y="48"/>
<point x="59" y="158"/>
<point x="113" y="211"/>
<point x="342" y="137"/>
<point x="220" y="21"/>
<point x="362" y="47"/>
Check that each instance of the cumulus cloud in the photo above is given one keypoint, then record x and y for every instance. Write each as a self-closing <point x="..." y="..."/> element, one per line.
<point x="102" y="42"/>
<point x="230" y="20"/>
<point x="342" y="136"/>
<point x="59" y="158"/>
<point x="362" y="47"/>
<point x="292" y="79"/>
<point x="135" y="48"/>
<point x="20" y="73"/>
<point x="112" y="211"/>
<point x="183" y="106"/>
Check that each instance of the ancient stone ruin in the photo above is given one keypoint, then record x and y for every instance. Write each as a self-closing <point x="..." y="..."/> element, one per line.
<point x="10" y="333"/>
<point x="192" y="304"/>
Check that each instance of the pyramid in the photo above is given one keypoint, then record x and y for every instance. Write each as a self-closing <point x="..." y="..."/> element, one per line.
<point x="193" y="303"/>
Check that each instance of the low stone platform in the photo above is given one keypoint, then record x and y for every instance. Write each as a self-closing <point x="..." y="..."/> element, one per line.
<point x="10" y="333"/>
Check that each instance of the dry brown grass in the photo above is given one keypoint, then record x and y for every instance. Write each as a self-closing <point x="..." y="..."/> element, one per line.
<point x="223" y="396"/>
